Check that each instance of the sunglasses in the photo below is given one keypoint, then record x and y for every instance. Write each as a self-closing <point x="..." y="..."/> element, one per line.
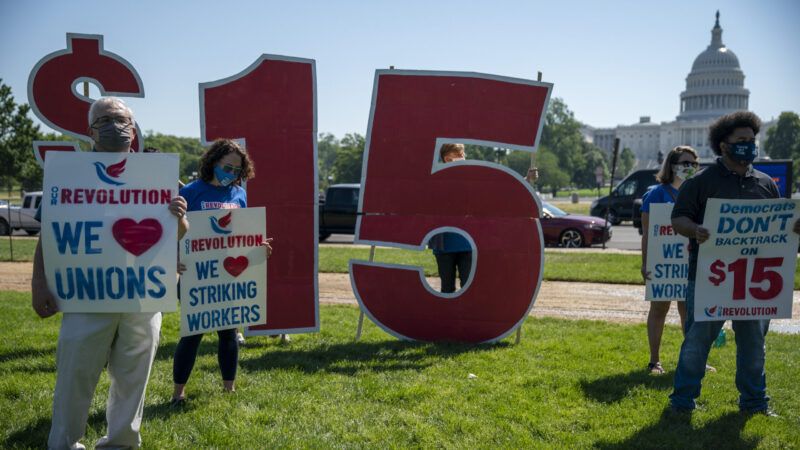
<point x="231" y="169"/>
<point x="688" y="164"/>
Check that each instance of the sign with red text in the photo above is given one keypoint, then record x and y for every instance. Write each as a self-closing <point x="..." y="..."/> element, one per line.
<point x="745" y="270"/>
<point x="408" y="196"/>
<point x="667" y="257"/>
<point x="271" y="107"/>
<point x="55" y="90"/>
<point x="109" y="240"/>
<point x="225" y="282"/>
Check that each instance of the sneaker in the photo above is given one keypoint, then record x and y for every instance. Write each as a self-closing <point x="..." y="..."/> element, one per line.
<point x="710" y="369"/>
<point x="655" y="368"/>
<point x="285" y="338"/>
<point x="240" y="338"/>
<point x="179" y="402"/>
<point x="761" y="412"/>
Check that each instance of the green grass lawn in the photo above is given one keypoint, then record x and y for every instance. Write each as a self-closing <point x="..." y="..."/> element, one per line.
<point x="23" y="248"/>
<point x="573" y="208"/>
<point x="569" y="384"/>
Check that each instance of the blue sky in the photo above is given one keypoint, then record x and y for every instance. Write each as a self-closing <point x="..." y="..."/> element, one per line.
<point x="610" y="61"/>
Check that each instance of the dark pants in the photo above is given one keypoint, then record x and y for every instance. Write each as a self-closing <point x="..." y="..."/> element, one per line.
<point x="186" y="352"/>
<point x="448" y="263"/>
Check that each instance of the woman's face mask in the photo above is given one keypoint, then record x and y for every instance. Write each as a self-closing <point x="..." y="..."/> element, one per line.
<point x="685" y="170"/>
<point x="224" y="178"/>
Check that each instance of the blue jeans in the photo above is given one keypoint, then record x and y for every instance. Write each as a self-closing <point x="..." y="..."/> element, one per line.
<point x="751" y="379"/>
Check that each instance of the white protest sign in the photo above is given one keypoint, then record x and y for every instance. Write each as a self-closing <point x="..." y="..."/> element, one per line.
<point x="108" y="239"/>
<point x="667" y="257"/>
<point x="225" y="283"/>
<point x="745" y="270"/>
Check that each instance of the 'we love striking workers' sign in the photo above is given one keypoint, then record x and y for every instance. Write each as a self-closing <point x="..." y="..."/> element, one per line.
<point x="225" y="283"/>
<point x="109" y="240"/>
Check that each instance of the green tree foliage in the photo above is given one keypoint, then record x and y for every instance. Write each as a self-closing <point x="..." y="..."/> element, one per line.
<point x="17" y="133"/>
<point x="783" y="140"/>
<point x="189" y="148"/>
<point x="347" y="167"/>
<point x="626" y="162"/>
<point x="327" y="148"/>
<point x="519" y="162"/>
<point x="591" y="158"/>
<point x="550" y="174"/>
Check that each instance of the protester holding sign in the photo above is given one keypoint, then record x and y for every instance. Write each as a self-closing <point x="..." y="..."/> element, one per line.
<point x="126" y="342"/>
<point x="732" y="137"/>
<point x="679" y="165"/>
<point x="223" y="167"/>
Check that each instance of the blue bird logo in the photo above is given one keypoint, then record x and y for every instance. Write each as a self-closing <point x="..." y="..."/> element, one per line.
<point x="220" y="226"/>
<point x="107" y="174"/>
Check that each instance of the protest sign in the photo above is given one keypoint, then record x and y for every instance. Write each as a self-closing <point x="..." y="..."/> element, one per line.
<point x="108" y="239"/>
<point x="667" y="257"/>
<point x="225" y="283"/>
<point x="745" y="270"/>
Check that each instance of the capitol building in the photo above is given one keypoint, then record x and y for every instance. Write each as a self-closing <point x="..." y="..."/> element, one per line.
<point x="714" y="87"/>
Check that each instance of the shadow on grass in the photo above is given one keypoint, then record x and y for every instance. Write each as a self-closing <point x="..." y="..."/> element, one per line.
<point x="35" y="435"/>
<point x="23" y="353"/>
<point x="616" y="387"/>
<point x="675" y="431"/>
<point x="353" y="357"/>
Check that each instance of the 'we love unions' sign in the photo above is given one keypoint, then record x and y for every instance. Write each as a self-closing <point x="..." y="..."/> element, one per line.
<point x="109" y="240"/>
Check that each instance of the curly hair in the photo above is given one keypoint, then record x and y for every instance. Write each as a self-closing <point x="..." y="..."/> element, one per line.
<point x="666" y="175"/>
<point x="725" y="125"/>
<point x="217" y="151"/>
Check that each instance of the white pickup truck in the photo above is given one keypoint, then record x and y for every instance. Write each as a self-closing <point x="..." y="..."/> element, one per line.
<point x="21" y="218"/>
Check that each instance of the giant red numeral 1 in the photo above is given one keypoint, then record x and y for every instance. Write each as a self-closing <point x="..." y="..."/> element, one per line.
<point x="271" y="105"/>
<point x="407" y="197"/>
<point x="51" y="88"/>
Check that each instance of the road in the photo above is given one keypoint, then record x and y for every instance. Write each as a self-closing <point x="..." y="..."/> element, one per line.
<point x="623" y="237"/>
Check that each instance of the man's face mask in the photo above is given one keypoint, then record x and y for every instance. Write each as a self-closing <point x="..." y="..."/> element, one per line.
<point x="114" y="133"/>
<point x="743" y="151"/>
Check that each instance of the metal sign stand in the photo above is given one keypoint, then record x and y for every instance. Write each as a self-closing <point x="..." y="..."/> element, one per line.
<point x="361" y="311"/>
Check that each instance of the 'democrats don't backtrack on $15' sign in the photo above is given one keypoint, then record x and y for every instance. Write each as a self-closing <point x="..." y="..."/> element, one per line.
<point x="225" y="283"/>
<point x="108" y="239"/>
<point x="745" y="270"/>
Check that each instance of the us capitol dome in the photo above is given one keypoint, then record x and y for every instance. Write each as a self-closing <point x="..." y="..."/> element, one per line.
<point x="714" y="87"/>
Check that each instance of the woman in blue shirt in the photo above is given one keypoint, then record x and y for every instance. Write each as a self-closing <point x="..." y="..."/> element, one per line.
<point x="679" y="165"/>
<point x="223" y="167"/>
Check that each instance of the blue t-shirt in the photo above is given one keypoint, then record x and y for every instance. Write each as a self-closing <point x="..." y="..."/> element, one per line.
<point x="201" y="196"/>
<point x="658" y="193"/>
<point x="449" y="243"/>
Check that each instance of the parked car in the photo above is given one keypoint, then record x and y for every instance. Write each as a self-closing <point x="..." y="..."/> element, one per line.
<point x="625" y="202"/>
<point x="572" y="230"/>
<point x="338" y="210"/>
<point x="21" y="218"/>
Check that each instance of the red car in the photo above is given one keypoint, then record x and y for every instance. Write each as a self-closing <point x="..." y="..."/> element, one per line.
<point x="571" y="230"/>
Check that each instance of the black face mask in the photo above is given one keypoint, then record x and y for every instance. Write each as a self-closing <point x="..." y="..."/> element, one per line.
<point x="115" y="136"/>
<point x="743" y="151"/>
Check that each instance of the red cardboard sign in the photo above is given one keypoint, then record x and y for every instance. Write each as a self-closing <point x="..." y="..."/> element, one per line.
<point x="407" y="197"/>
<point x="271" y="106"/>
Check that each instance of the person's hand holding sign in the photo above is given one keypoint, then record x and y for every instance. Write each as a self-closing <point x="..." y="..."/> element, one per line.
<point x="796" y="227"/>
<point x="701" y="234"/>
<point x="267" y="247"/>
<point x="178" y="208"/>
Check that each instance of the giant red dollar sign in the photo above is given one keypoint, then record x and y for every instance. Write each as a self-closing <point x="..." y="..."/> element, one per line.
<point x="51" y="88"/>
<point x="407" y="197"/>
<point x="271" y="105"/>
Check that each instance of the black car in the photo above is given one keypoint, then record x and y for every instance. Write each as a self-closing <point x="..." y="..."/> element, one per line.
<point x="338" y="210"/>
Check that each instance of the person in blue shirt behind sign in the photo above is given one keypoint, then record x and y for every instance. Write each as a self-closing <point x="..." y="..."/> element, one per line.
<point x="223" y="167"/>
<point x="452" y="251"/>
<point x="679" y="165"/>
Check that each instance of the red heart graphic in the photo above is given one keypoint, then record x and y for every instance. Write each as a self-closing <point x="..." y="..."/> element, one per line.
<point x="235" y="266"/>
<point x="134" y="237"/>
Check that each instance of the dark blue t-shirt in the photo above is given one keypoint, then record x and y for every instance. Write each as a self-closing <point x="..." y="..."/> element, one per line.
<point x="449" y="243"/>
<point x="659" y="193"/>
<point x="201" y="196"/>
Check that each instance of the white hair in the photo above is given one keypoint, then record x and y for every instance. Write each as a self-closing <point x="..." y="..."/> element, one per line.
<point x="110" y="103"/>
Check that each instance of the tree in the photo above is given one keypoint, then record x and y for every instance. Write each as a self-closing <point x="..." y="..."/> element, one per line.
<point x="550" y="174"/>
<point x="327" y="149"/>
<point x="17" y="133"/>
<point x="347" y="168"/>
<point x="592" y="157"/>
<point x="519" y="162"/>
<point x="626" y="162"/>
<point x="562" y="136"/>
<point x="783" y="140"/>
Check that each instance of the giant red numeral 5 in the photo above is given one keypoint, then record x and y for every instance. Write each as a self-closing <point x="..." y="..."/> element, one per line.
<point x="407" y="197"/>
<point x="271" y="105"/>
<point x="51" y="88"/>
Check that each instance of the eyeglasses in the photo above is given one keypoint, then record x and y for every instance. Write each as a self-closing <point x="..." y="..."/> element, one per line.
<point x="231" y="169"/>
<point x="105" y="120"/>
<point x="688" y="164"/>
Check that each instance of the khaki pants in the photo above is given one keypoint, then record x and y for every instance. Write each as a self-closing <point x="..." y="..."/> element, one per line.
<point x="127" y="342"/>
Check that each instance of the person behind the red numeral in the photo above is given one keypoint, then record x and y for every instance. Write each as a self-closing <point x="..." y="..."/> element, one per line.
<point x="452" y="251"/>
<point x="223" y="167"/>
<point x="126" y="342"/>
<point x="679" y="165"/>
<point x="733" y="138"/>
